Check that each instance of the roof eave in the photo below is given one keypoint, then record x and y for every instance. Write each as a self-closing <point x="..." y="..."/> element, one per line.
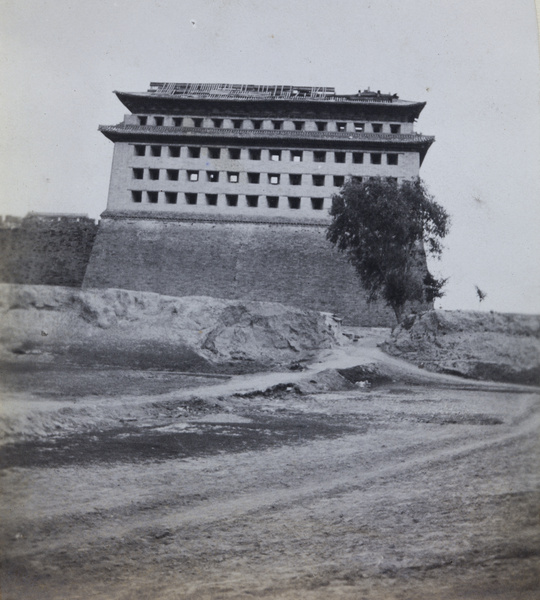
<point x="142" y="134"/>
<point x="132" y="101"/>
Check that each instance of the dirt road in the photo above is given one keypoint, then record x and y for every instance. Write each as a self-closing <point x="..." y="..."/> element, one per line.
<point x="157" y="486"/>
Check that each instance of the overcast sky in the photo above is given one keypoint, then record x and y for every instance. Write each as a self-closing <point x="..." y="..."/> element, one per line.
<point x="475" y="63"/>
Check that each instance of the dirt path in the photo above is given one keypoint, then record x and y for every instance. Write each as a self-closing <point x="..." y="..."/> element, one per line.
<point x="394" y="491"/>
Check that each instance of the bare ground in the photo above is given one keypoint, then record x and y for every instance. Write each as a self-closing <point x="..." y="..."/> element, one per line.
<point x="121" y="484"/>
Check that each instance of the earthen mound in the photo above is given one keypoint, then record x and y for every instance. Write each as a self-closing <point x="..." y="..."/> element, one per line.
<point x="148" y="330"/>
<point x="477" y="345"/>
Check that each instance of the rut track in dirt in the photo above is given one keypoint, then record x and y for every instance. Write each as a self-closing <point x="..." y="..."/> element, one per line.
<point x="424" y="491"/>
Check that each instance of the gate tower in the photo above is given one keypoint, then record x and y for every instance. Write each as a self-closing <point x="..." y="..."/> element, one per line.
<point x="224" y="190"/>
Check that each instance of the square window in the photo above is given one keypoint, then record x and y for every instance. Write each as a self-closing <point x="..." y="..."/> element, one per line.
<point x="273" y="179"/>
<point x="237" y="123"/>
<point x="317" y="203"/>
<point x="358" y="158"/>
<point x="217" y="122"/>
<point x="211" y="199"/>
<point x="177" y="121"/>
<point x="339" y="180"/>
<point x="254" y="177"/>
<point x="376" y="158"/>
<point x="197" y="122"/>
<point x="392" y="159"/>
<point x="234" y="153"/>
<point x="341" y="126"/>
<point x="193" y="175"/>
<point x="136" y="196"/>
<point x="272" y="201"/>
<point x="143" y="120"/>
<point x="319" y="156"/>
<point x="252" y="201"/>
<point x="296" y="155"/>
<point x="339" y="157"/>
<point x="232" y="177"/>
<point x="377" y="127"/>
<point x="232" y="199"/>
<point x="171" y="197"/>
<point x="318" y="180"/>
<point x="357" y="179"/>
<point x="299" y="125"/>
<point x="174" y="151"/>
<point x="194" y="152"/>
<point x="172" y="174"/>
<point x="257" y="124"/>
<point x="138" y="173"/>
<point x="155" y="150"/>
<point x="359" y="127"/>
<point x="321" y="125"/>
<point x="158" y="121"/>
<point x="254" y="154"/>
<point x="275" y="155"/>
<point x="277" y="124"/>
<point x="294" y="203"/>
<point x="191" y="198"/>
<point x="214" y="152"/>
<point x="139" y="150"/>
<point x="392" y="179"/>
<point x="152" y="197"/>
<point x="153" y="174"/>
<point x="295" y="179"/>
<point x="395" y="128"/>
<point x="212" y="176"/>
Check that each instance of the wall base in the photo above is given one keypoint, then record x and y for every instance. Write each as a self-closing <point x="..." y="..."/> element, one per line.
<point x="275" y="261"/>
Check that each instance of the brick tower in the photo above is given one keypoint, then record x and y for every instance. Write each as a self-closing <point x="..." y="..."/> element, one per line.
<point x="224" y="190"/>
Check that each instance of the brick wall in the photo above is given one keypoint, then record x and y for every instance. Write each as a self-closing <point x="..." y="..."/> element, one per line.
<point x="45" y="252"/>
<point x="288" y="263"/>
<point x="132" y="173"/>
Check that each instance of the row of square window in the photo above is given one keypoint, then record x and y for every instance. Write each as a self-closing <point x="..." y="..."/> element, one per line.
<point x="272" y="124"/>
<point x="231" y="199"/>
<point x="275" y="155"/>
<point x="234" y="177"/>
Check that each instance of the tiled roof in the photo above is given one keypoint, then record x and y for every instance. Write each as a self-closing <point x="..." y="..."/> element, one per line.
<point x="163" y="130"/>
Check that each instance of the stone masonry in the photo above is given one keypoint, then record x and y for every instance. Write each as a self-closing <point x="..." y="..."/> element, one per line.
<point x="224" y="190"/>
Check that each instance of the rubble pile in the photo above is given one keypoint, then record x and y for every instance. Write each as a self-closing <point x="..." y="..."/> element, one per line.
<point x="148" y="330"/>
<point x="477" y="345"/>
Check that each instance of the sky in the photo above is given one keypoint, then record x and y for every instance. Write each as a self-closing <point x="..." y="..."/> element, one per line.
<point x="475" y="63"/>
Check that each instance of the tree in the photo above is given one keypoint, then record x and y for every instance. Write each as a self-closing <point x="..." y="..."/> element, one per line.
<point x="386" y="230"/>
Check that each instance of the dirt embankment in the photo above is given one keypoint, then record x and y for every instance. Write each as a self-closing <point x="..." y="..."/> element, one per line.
<point x="477" y="345"/>
<point x="147" y="330"/>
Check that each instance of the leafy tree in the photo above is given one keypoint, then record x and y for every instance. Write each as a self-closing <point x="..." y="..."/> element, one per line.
<point x="386" y="229"/>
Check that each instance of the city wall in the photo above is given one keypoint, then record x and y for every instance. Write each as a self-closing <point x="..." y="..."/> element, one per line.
<point x="273" y="261"/>
<point x="277" y="261"/>
<point x="47" y="251"/>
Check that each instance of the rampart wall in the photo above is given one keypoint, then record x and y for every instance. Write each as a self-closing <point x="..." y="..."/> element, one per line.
<point x="47" y="252"/>
<point x="281" y="262"/>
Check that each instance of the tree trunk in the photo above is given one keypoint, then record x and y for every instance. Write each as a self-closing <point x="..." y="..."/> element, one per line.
<point x="398" y="311"/>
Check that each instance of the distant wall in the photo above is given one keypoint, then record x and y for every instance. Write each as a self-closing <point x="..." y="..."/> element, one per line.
<point x="281" y="262"/>
<point x="47" y="251"/>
